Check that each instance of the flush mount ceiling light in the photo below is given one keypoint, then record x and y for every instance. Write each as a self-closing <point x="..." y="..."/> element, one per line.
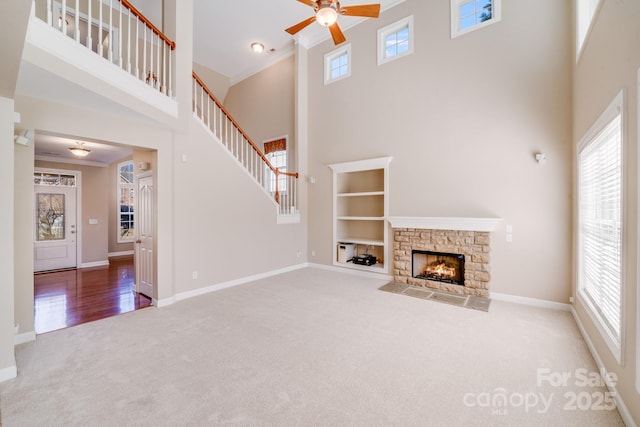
<point x="257" y="47"/>
<point x="79" y="150"/>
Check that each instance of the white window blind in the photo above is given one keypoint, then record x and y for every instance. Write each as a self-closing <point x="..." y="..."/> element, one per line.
<point x="600" y="226"/>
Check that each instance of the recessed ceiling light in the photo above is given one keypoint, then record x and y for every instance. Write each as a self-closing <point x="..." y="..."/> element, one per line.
<point x="257" y="47"/>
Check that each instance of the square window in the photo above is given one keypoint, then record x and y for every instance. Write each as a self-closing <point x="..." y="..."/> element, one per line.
<point x="337" y="64"/>
<point x="395" y="40"/>
<point x="470" y="15"/>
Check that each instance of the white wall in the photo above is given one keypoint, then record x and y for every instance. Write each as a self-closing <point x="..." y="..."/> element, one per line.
<point x="217" y="83"/>
<point x="7" y="359"/>
<point x="225" y="224"/>
<point x="609" y="64"/>
<point x="462" y="120"/>
<point x="23" y="236"/>
<point x="264" y="105"/>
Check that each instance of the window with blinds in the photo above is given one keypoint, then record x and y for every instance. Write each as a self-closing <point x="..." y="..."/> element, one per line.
<point x="600" y="224"/>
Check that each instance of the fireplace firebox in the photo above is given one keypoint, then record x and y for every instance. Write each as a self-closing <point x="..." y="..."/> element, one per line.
<point x="438" y="266"/>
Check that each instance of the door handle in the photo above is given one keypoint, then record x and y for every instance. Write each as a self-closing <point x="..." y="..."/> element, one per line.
<point x="72" y="231"/>
<point x="138" y="241"/>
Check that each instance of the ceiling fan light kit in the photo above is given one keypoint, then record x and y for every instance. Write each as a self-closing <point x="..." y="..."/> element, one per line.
<point x="327" y="13"/>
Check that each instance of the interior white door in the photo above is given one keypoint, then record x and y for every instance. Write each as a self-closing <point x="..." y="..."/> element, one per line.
<point x="55" y="237"/>
<point x="144" y="243"/>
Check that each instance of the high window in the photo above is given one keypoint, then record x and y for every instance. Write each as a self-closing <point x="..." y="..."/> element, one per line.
<point x="600" y="224"/>
<point x="126" y="202"/>
<point x="276" y="152"/>
<point x="337" y="64"/>
<point x="470" y="15"/>
<point x="585" y="13"/>
<point x="395" y="40"/>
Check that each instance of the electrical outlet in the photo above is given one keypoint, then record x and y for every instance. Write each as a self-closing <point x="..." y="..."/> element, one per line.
<point x="572" y="300"/>
<point x="194" y="275"/>
<point x="313" y="253"/>
<point x="298" y="254"/>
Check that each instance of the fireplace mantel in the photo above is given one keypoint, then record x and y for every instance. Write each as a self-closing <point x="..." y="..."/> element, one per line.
<point x="445" y="223"/>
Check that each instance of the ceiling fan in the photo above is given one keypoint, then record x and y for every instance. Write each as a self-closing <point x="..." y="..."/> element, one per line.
<point x="327" y="12"/>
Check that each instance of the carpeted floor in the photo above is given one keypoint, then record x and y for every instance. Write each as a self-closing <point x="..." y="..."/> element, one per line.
<point x="307" y="348"/>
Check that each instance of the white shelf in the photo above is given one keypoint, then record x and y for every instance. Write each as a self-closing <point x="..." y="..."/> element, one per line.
<point x="361" y="241"/>
<point x="363" y="194"/>
<point x="361" y="218"/>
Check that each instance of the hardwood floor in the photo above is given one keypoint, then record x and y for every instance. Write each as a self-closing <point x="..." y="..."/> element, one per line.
<point x="72" y="297"/>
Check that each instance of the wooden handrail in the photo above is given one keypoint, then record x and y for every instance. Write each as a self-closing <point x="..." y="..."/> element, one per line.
<point x="243" y="133"/>
<point x="148" y="23"/>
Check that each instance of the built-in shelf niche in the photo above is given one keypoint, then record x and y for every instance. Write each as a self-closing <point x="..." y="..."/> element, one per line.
<point x="360" y="210"/>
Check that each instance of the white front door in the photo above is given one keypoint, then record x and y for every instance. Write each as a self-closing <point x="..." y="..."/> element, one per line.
<point x="144" y="243"/>
<point x="55" y="237"/>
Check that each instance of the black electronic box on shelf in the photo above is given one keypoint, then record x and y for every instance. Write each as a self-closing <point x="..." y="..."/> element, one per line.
<point x="364" y="259"/>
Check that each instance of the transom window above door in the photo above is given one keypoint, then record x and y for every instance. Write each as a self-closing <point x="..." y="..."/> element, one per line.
<point x="54" y="179"/>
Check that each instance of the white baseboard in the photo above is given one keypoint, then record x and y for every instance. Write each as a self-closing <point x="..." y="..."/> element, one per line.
<point x="224" y="285"/>
<point x="94" y="264"/>
<point x="121" y="253"/>
<point x="163" y="302"/>
<point x="368" y="274"/>
<point x="8" y="373"/>
<point x="24" y="338"/>
<point x="622" y="408"/>
<point x="534" y="302"/>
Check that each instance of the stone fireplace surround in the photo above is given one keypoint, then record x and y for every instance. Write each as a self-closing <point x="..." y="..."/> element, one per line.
<point x="467" y="236"/>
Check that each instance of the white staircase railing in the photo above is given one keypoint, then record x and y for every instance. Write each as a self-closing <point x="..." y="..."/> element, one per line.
<point x="282" y="186"/>
<point x="118" y="32"/>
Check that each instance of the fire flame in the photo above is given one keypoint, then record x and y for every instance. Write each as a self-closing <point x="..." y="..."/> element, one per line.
<point x="441" y="270"/>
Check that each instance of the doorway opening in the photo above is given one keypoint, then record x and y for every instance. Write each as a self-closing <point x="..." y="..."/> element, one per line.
<point x="109" y="274"/>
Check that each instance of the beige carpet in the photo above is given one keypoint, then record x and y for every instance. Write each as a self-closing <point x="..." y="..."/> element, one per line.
<point x="307" y="348"/>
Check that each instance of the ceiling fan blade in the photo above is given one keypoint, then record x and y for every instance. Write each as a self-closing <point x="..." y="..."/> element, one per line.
<point x="366" y="10"/>
<point x="308" y="2"/>
<point x="337" y="34"/>
<point x="300" y="25"/>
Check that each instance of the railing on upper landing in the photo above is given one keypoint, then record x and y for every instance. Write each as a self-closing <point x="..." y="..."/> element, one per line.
<point x="281" y="185"/>
<point x="118" y="32"/>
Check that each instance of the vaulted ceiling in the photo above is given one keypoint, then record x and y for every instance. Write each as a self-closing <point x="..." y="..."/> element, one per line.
<point x="224" y="30"/>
